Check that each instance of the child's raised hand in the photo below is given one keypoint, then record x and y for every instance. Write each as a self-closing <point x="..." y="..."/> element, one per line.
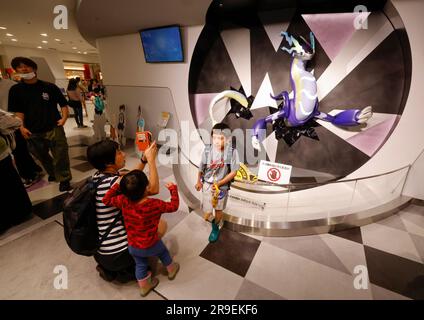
<point x="169" y="185"/>
<point x="151" y="152"/>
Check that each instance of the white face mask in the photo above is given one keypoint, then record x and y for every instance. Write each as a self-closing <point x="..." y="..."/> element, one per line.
<point x="28" y="76"/>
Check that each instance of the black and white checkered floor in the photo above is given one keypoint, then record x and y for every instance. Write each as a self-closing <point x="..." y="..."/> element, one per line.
<point x="389" y="254"/>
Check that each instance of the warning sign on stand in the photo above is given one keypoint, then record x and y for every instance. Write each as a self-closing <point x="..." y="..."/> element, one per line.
<point x="274" y="172"/>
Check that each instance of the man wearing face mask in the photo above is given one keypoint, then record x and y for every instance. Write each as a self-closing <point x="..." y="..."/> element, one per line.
<point x="35" y="102"/>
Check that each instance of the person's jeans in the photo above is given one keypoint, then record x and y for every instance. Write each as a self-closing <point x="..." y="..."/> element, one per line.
<point x="40" y="144"/>
<point x="140" y="256"/>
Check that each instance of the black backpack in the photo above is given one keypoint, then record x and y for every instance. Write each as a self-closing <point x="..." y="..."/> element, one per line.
<point x="80" y="221"/>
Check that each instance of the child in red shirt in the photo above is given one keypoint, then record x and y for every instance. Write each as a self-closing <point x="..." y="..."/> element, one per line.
<point x="141" y="217"/>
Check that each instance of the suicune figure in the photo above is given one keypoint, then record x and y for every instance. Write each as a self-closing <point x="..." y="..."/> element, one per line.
<point x="298" y="108"/>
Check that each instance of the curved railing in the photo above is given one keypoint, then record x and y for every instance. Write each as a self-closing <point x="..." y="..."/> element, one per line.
<point x="304" y="208"/>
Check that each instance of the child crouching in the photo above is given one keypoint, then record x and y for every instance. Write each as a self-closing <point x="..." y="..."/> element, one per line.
<point x="141" y="217"/>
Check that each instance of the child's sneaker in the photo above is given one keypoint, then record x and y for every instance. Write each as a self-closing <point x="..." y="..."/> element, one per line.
<point x="147" y="284"/>
<point x="173" y="269"/>
<point x="213" y="237"/>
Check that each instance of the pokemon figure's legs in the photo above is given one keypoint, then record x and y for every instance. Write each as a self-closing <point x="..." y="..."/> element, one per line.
<point x="259" y="128"/>
<point x="350" y="117"/>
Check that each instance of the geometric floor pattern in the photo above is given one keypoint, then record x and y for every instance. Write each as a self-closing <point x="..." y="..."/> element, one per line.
<point x="388" y="256"/>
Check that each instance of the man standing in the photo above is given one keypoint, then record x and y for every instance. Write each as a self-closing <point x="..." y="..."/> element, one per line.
<point x="35" y="102"/>
<point x="28" y="170"/>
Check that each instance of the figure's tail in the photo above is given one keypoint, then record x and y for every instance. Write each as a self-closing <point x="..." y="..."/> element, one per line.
<point x="230" y="94"/>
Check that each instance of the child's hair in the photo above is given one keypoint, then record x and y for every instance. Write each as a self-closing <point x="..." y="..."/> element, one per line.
<point x="133" y="185"/>
<point x="96" y="90"/>
<point x="102" y="153"/>
<point x="221" y="128"/>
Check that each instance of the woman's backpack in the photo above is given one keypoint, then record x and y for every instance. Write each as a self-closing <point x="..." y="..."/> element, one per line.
<point x="99" y="104"/>
<point x="80" y="219"/>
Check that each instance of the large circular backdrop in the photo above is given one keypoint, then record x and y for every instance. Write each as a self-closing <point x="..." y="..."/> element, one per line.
<point x="240" y="47"/>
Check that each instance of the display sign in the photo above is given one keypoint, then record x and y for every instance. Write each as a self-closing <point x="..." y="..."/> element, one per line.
<point x="274" y="172"/>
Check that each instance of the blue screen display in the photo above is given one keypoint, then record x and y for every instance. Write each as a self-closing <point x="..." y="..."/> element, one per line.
<point x="162" y="44"/>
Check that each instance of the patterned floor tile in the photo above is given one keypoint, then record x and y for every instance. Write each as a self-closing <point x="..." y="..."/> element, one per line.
<point x="200" y="279"/>
<point x="390" y="240"/>
<point x="413" y="219"/>
<point x="81" y="157"/>
<point x="50" y="207"/>
<point x="294" y="277"/>
<point x="233" y="251"/>
<point x="164" y="172"/>
<point x="395" y="273"/>
<point x="379" y="293"/>
<point x="353" y="234"/>
<point x="309" y="247"/>
<point x="419" y="244"/>
<point x="83" y="167"/>
<point x="29" y="272"/>
<point x="394" y="222"/>
<point x="173" y="218"/>
<point x="251" y="291"/>
<point x="350" y="253"/>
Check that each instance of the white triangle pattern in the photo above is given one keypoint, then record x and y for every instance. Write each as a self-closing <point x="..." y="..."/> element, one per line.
<point x="237" y="43"/>
<point x="263" y="98"/>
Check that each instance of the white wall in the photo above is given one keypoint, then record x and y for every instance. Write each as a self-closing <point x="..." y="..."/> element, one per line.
<point x="406" y="142"/>
<point x="123" y="64"/>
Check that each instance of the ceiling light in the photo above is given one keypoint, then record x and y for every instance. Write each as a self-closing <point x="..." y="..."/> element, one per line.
<point x="14" y="40"/>
<point x="44" y="41"/>
<point x="57" y="40"/>
<point x="74" y="68"/>
<point x="85" y="52"/>
<point x="40" y="47"/>
<point x="43" y="34"/>
<point x="3" y="28"/>
<point x="79" y="51"/>
<point x="74" y="48"/>
<point x="9" y="34"/>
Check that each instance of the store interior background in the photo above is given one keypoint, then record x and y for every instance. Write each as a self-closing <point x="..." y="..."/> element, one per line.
<point x="110" y="48"/>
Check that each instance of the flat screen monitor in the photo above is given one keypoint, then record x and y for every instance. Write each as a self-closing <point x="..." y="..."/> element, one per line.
<point x="162" y="44"/>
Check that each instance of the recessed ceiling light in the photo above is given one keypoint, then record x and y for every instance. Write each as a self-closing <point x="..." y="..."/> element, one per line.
<point x="3" y="28"/>
<point x="40" y="47"/>
<point x="44" y="41"/>
<point x="43" y="34"/>
<point x="9" y="34"/>
<point x="57" y="40"/>
<point x="85" y="52"/>
<point x="79" y="51"/>
<point x="14" y="40"/>
<point x="74" y="48"/>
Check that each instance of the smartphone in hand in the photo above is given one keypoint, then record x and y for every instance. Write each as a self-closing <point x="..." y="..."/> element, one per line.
<point x="143" y="139"/>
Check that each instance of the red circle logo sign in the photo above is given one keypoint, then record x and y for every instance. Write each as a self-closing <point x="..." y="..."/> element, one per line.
<point x="273" y="174"/>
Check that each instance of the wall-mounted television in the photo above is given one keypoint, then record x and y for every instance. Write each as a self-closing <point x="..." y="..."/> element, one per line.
<point x="162" y="44"/>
